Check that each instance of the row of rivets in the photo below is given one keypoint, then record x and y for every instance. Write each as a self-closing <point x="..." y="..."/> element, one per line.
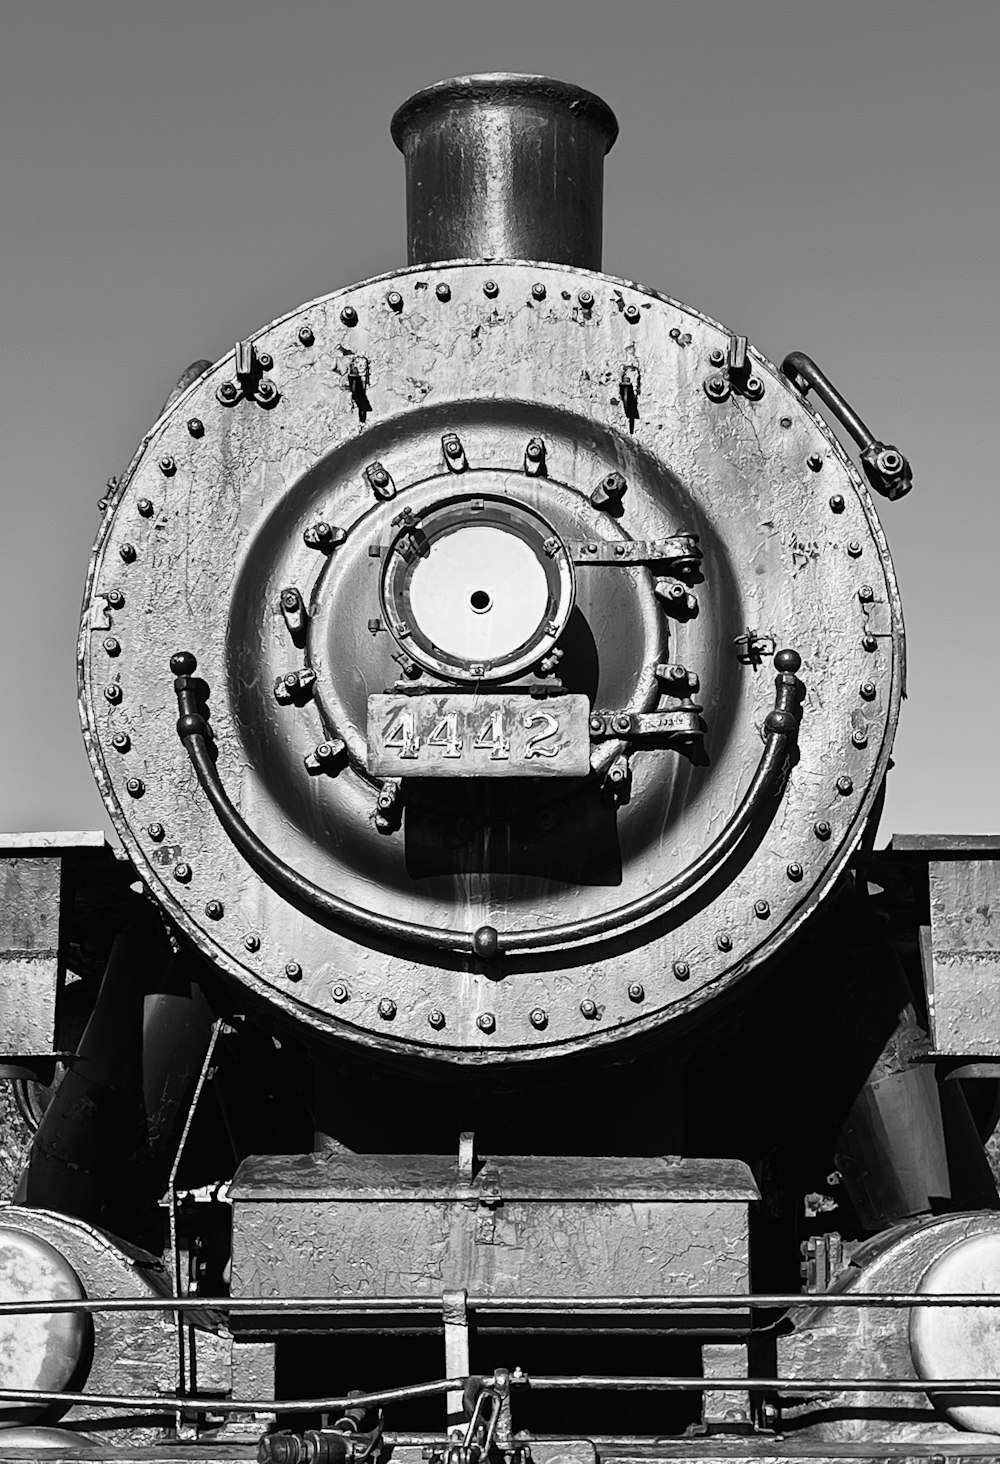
<point x="394" y="300"/>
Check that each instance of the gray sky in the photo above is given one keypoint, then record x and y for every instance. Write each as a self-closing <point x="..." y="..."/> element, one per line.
<point x="817" y="174"/>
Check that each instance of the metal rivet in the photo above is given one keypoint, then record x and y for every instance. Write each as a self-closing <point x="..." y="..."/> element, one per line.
<point x="306" y="337"/>
<point x="539" y="1018"/>
<point x="486" y="1022"/>
<point x="135" y="787"/>
<point x="814" y="461"/>
<point x="837" y="502"/>
<point x="113" y="693"/>
<point x="845" y="785"/>
<point x="387" y="1008"/>
<point x="215" y="910"/>
<point x="443" y="291"/>
<point x="394" y="300"/>
<point x="870" y="642"/>
<point x="196" y="427"/>
<point x="724" y="942"/>
<point x="636" y="991"/>
<point x="435" y="1019"/>
<point x="717" y="388"/>
<point x="452" y="446"/>
<point x="866" y="594"/>
<point x="112" y="646"/>
<point x="377" y="476"/>
<point x="631" y="313"/>
<point x="822" y="829"/>
<point x="121" y="742"/>
<point x="785" y="422"/>
<point x="586" y="299"/>
<point x="339" y="992"/>
<point x="794" y="871"/>
<point x="675" y="333"/>
<point x="349" y="315"/>
<point x="867" y="689"/>
<point x="588" y="1008"/>
<point x="538" y="291"/>
<point x="854" y="549"/>
<point x="717" y="358"/>
<point x="761" y="909"/>
<point x="155" y="832"/>
<point x="535" y="449"/>
<point x="491" y="289"/>
<point x="115" y="599"/>
<point x="145" y="507"/>
<point x="167" y="466"/>
<point x="293" y="970"/>
<point x="182" y="873"/>
<point x="252" y="942"/>
<point x="266" y="361"/>
<point x="682" y="970"/>
<point x="127" y="553"/>
<point x="859" y="737"/>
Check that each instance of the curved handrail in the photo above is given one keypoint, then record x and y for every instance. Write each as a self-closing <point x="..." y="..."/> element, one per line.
<point x="780" y="731"/>
<point x="886" y="469"/>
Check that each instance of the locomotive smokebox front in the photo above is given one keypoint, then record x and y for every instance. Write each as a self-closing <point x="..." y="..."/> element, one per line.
<point x="496" y="659"/>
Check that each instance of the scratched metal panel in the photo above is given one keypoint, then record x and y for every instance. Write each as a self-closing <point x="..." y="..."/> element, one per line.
<point x="515" y="1249"/>
<point x="208" y="527"/>
<point x="964" y="985"/>
<point x="29" y="954"/>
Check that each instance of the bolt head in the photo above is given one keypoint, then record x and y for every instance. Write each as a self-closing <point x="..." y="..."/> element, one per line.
<point x="182" y="873"/>
<point x="289" y="600"/>
<point x="814" y="461"/>
<point x="293" y="970"/>
<point x="443" y="291"/>
<point x="866" y="594"/>
<point x="622" y="725"/>
<point x="120" y="742"/>
<point x="682" y="970"/>
<point x="845" y="785"/>
<point x="127" y="553"/>
<point x="867" y="690"/>
<point x="491" y="289"/>
<point x="394" y="300"/>
<point x="112" y="646"/>
<point x="631" y="314"/>
<point x="586" y="298"/>
<point x="167" y="466"/>
<point x="452" y="447"/>
<point x="306" y="337"/>
<point x="228" y="392"/>
<point x="349" y="316"/>
<point x="115" y="599"/>
<point x="717" y="388"/>
<point x="837" y="502"/>
<point x="534" y="450"/>
<point x="717" y="357"/>
<point x="870" y="642"/>
<point x="135" y="787"/>
<point x="822" y="829"/>
<point x="785" y="422"/>
<point x="266" y="361"/>
<point x="145" y="507"/>
<point x="252" y="942"/>
<point x="636" y="992"/>
<point x="113" y="693"/>
<point x="387" y="1009"/>
<point x="794" y="871"/>
<point x="196" y="427"/>
<point x="155" y="832"/>
<point x="859" y="737"/>
<point x="761" y="909"/>
<point x="266" y="391"/>
<point x="486" y="1022"/>
<point x="435" y="1019"/>
<point x="538" y="291"/>
<point x="339" y="992"/>
<point x="486" y="942"/>
<point x="854" y="549"/>
<point x="539" y="1018"/>
<point x="724" y="942"/>
<point x="588" y="1008"/>
<point x="215" y="910"/>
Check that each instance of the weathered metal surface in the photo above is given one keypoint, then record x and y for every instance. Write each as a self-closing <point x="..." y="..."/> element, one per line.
<point x="43" y="1350"/>
<point x="731" y="472"/>
<point x="478" y="735"/>
<point x="504" y="167"/>
<point x="29" y="953"/>
<point x="958" y="1342"/>
<point x="963" y="969"/>
<point x="369" y="1225"/>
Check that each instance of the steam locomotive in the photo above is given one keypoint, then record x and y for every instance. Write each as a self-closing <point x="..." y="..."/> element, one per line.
<point x="498" y="1037"/>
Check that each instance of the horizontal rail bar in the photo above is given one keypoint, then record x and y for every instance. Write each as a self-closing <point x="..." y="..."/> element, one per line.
<point x="578" y="1382"/>
<point x="332" y="1305"/>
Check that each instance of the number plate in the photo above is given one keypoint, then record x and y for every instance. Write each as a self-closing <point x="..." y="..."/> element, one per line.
<point x="491" y="736"/>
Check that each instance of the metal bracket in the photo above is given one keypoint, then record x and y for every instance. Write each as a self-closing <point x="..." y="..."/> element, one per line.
<point x="886" y="469"/>
<point x="680" y="552"/>
<point x="683" y="721"/>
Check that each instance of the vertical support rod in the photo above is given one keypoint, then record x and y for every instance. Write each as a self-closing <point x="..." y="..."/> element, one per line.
<point x="454" y="1309"/>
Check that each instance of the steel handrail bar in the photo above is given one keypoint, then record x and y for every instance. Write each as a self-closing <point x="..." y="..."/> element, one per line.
<point x="265" y="1305"/>
<point x="192" y="1403"/>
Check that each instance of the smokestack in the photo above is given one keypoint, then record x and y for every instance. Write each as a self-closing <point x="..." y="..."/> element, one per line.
<point x="504" y="167"/>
